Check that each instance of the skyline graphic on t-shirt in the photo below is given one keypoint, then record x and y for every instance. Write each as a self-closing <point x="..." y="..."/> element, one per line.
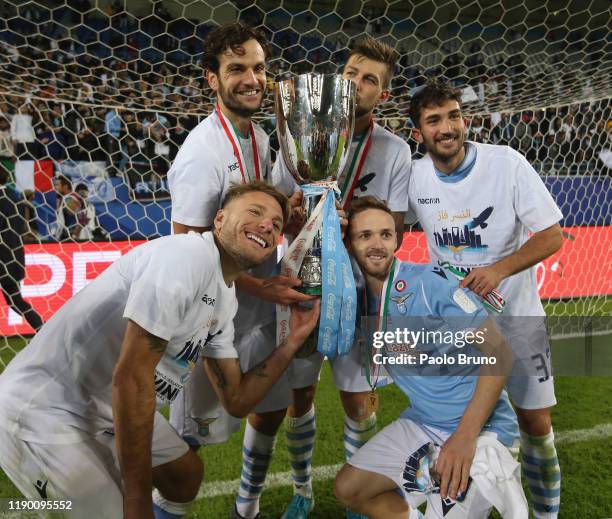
<point x="459" y="239"/>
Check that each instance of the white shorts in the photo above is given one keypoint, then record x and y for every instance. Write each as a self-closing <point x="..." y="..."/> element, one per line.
<point x="531" y="384"/>
<point x="86" y="473"/>
<point x="347" y="370"/>
<point x="389" y="453"/>
<point x="198" y="415"/>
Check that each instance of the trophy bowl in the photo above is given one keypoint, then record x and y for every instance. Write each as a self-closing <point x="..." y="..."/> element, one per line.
<point x="315" y="118"/>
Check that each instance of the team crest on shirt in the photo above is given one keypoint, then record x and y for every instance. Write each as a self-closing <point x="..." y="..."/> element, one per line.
<point x="460" y="233"/>
<point x="400" y="301"/>
<point x="400" y="286"/>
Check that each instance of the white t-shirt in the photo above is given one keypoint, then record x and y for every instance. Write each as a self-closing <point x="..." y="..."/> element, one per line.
<point x="58" y="389"/>
<point x="385" y="172"/>
<point x="485" y="216"/>
<point x="204" y="169"/>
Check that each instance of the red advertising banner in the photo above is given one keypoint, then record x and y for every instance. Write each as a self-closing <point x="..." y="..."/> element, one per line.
<point x="55" y="272"/>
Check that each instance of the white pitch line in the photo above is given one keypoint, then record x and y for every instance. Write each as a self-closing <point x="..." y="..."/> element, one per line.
<point x="598" y="432"/>
<point x="325" y="472"/>
<point x="277" y="479"/>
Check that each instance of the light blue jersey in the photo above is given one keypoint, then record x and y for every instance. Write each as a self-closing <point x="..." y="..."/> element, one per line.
<point x="429" y="298"/>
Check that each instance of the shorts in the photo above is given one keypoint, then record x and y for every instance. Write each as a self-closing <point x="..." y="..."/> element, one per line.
<point x="531" y="384"/>
<point x="347" y="370"/>
<point x="389" y="453"/>
<point x="198" y="415"/>
<point x="86" y="473"/>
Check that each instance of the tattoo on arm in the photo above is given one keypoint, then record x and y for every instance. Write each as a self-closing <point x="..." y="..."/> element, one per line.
<point x="260" y="370"/>
<point x="155" y="343"/>
<point x="221" y="382"/>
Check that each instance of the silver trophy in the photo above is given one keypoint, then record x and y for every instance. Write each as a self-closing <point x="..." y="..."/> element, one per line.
<point x="315" y="117"/>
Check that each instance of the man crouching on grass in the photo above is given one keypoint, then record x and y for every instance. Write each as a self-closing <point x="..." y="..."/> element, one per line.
<point x="78" y="419"/>
<point x="459" y="427"/>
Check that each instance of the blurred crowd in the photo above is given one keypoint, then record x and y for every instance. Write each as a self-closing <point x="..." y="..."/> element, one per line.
<point x="106" y="86"/>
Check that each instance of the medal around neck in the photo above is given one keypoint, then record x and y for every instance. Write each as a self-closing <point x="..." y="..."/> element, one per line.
<point x="315" y="120"/>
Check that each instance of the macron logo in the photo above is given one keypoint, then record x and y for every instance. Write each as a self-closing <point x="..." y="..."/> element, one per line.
<point x="428" y="201"/>
<point x="210" y="301"/>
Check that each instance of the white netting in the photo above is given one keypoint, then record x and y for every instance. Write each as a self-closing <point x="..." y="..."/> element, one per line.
<point x="105" y="94"/>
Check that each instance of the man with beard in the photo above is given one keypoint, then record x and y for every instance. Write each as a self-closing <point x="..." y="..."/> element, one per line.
<point x="379" y="164"/>
<point x="228" y="148"/>
<point x="452" y="446"/>
<point x="78" y="420"/>
<point x="477" y="204"/>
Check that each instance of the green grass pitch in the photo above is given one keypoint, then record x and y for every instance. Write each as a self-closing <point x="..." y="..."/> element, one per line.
<point x="585" y="405"/>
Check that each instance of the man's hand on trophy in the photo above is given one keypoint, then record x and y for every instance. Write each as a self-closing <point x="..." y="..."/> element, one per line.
<point x="298" y="216"/>
<point x="303" y="321"/>
<point x="343" y="219"/>
<point x="280" y="290"/>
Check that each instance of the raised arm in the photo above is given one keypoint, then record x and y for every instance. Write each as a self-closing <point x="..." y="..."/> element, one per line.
<point x="133" y="415"/>
<point x="241" y="392"/>
<point x="538" y="247"/>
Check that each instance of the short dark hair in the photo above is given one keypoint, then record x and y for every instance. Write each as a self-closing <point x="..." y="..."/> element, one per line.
<point x="231" y="36"/>
<point x="363" y="203"/>
<point x="64" y="180"/>
<point x="377" y="51"/>
<point x="259" y="186"/>
<point x="435" y="93"/>
<point x="81" y="187"/>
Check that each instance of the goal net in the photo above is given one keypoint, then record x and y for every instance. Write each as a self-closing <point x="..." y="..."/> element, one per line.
<point x="104" y="93"/>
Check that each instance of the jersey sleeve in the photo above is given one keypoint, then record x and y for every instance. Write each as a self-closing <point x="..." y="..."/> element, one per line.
<point x="161" y="294"/>
<point x="281" y="178"/>
<point x="400" y="175"/>
<point x="533" y="203"/>
<point x="195" y="182"/>
<point x="221" y="337"/>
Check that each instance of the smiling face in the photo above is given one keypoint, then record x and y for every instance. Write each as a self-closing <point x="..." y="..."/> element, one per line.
<point x="249" y="228"/>
<point x="370" y="78"/>
<point x="240" y="81"/>
<point x="373" y="241"/>
<point x="442" y="130"/>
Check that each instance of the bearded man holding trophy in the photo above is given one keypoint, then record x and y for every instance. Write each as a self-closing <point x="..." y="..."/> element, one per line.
<point x="332" y="150"/>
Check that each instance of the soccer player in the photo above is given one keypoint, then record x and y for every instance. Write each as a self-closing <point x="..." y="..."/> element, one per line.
<point x="477" y="203"/>
<point x="452" y="416"/>
<point x="227" y="147"/>
<point x="77" y="415"/>
<point x="12" y="257"/>
<point x="379" y="164"/>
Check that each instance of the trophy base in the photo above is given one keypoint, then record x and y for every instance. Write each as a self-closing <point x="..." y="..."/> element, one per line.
<point x="311" y="291"/>
<point x="310" y="273"/>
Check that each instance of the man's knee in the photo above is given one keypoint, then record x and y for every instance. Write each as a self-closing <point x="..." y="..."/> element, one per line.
<point x="345" y="489"/>
<point x="179" y="480"/>
<point x="355" y="405"/>
<point x="535" y="422"/>
<point x="303" y="399"/>
<point x="267" y="423"/>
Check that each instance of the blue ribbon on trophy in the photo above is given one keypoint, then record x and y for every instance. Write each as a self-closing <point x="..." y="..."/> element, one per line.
<point x="315" y="117"/>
